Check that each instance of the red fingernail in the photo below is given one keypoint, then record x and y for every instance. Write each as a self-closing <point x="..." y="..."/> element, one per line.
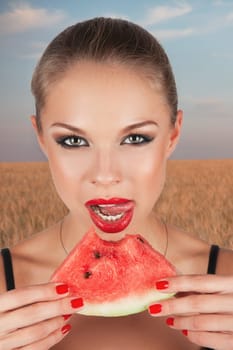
<point x="65" y="329"/>
<point x="185" y="332"/>
<point x="75" y="303"/>
<point x="66" y="316"/>
<point x="161" y="285"/>
<point x="62" y="289"/>
<point x="155" y="309"/>
<point x="170" y="321"/>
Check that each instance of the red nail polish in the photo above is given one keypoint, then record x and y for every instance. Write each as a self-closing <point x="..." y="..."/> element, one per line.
<point x="75" y="303"/>
<point x="65" y="329"/>
<point x="62" y="289"/>
<point x="170" y="321"/>
<point x="185" y="332"/>
<point x="155" y="309"/>
<point x="66" y="316"/>
<point x="161" y="285"/>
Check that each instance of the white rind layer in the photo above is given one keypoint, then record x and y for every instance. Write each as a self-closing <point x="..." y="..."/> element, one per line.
<point x="131" y="304"/>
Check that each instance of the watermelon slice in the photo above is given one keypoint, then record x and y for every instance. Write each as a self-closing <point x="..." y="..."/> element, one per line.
<point x="114" y="278"/>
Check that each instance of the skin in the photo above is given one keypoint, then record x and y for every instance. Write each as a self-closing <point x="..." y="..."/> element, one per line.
<point x="103" y="101"/>
<point x="92" y="106"/>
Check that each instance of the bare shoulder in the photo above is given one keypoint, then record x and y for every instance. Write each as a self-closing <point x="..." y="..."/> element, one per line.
<point x="187" y="251"/>
<point x="225" y="262"/>
<point x="191" y="254"/>
<point x="32" y="259"/>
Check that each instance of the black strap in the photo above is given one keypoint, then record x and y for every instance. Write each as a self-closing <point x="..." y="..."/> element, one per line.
<point x="7" y="263"/>
<point x="213" y="257"/>
<point x="214" y="250"/>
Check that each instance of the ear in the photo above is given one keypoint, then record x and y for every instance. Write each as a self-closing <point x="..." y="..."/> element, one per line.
<point x="175" y="133"/>
<point x="39" y="134"/>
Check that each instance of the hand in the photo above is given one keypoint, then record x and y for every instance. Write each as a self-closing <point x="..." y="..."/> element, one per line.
<point x="35" y="317"/>
<point x="202" y="309"/>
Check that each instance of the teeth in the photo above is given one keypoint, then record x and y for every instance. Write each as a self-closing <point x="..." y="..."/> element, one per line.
<point x="110" y="217"/>
<point x="107" y="217"/>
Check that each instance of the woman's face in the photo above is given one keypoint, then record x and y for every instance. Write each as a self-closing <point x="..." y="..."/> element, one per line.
<point x="107" y="134"/>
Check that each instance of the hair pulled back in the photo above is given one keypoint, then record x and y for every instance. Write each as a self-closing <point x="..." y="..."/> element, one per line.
<point x="103" y="40"/>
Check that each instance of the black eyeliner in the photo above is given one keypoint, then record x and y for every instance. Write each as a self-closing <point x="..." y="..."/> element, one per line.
<point x="61" y="141"/>
<point x="146" y="140"/>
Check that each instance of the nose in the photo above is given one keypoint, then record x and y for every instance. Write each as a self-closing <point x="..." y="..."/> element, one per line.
<point x="105" y="169"/>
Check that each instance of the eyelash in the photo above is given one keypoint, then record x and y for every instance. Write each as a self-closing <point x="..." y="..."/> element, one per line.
<point x="144" y="139"/>
<point x="62" y="140"/>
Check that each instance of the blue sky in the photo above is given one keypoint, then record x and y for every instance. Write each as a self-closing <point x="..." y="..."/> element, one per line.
<point x="197" y="35"/>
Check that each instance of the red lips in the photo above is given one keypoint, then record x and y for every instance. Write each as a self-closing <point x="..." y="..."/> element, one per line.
<point x="111" y="215"/>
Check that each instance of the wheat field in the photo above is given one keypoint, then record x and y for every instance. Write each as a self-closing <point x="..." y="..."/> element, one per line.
<point x="198" y="197"/>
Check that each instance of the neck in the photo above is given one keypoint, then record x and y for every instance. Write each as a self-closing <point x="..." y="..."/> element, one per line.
<point x="153" y="230"/>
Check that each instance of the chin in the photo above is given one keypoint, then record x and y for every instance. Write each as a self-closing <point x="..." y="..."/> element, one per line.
<point x="116" y="236"/>
<point x="113" y="237"/>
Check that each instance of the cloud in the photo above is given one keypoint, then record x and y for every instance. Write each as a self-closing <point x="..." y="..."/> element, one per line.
<point x="173" y="33"/>
<point x="24" y="17"/>
<point x="218" y="2"/>
<point x="209" y="106"/>
<point x="35" y="50"/>
<point x="229" y="17"/>
<point x="209" y="102"/>
<point x="162" y="13"/>
<point x="226" y="55"/>
<point x="116" y="15"/>
<point x="31" y="56"/>
<point x="204" y="101"/>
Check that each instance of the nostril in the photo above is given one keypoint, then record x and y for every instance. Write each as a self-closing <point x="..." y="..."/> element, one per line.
<point x="105" y="168"/>
<point x="105" y="182"/>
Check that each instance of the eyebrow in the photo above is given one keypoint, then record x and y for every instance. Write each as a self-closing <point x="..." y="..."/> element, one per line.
<point x="126" y="129"/>
<point x="69" y="127"/>
<point x="140" y="125"/>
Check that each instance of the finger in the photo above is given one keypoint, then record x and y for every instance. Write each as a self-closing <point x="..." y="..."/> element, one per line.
<point x="38" y="312"/>
<point x="24" y="296"/>
<point x="217" y="341"/>
<point x="31" y="334"/>
<point x="196" y="283"/>
<point x="213" y="323"/>
<point x="48" y="342"/>
<point x="197" y="303"/>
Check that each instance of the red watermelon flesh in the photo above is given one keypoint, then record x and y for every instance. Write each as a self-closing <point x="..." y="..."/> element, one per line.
<point x="114" y="278"/>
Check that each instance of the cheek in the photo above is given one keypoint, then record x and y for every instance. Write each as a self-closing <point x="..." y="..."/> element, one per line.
<point x="153" y="173"/>
<point x="149" y="172"/>
<point x="146" y="170"/>
<point x="67" y="172"/>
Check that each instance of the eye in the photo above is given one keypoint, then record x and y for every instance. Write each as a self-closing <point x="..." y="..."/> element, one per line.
<point x="137" y="139"/>
<point x="72" y="141"/>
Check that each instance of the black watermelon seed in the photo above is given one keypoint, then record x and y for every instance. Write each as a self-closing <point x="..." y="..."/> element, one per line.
<point x="97" y="255"/>
<point x="87" y="274"/>
<point x="140" y="239"/>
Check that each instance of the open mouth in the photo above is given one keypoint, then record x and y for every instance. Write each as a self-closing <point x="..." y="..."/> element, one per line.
<point x="112" y="215"/>
<point x="106" y="212"/>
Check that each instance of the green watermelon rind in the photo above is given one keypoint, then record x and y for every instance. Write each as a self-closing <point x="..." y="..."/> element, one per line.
<point x="128" y="305"/>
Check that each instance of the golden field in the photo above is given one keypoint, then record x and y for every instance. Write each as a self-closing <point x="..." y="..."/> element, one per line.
<point x="198" y="197"/>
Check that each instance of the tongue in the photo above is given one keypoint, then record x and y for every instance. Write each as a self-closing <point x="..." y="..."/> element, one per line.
<point x="115" y="209"/>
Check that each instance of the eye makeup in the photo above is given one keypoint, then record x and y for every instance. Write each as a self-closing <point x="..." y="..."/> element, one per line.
<point x="71" y="141"/>
<point x="137" y="139"/>
<point x="74" y="141"/>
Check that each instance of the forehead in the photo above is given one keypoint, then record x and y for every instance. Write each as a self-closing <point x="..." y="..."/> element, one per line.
<point x="95" y="89"/>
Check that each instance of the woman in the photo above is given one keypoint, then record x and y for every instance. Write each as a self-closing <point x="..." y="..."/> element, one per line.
<point x="107" y="120"/>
